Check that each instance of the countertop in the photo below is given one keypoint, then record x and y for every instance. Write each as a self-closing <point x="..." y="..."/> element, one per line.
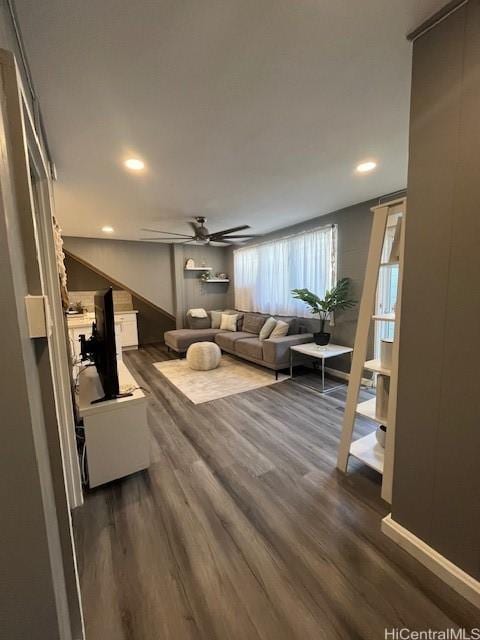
<point x="86" y="319"/>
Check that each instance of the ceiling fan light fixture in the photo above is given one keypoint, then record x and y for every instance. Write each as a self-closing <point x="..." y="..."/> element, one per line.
<point x="134" y="164"/>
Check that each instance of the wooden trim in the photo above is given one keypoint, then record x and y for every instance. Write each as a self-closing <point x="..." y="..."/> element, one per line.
<point x="437" y="17"/>
<point x="89" y="265"/>
<point x="452" y="575"/>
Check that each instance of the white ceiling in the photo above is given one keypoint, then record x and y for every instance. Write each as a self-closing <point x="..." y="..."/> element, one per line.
<point x="246" y="111"/>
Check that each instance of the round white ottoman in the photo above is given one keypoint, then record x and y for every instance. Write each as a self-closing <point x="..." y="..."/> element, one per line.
<point x="203" y="356"/>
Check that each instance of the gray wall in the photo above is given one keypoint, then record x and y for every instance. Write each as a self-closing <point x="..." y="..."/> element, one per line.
<point x="436" y="490"/>
<point x="152" y="322"/>
<point x="354" y="224"/>
<point x="144" y="267"/>
<point x="154" y="271"/>
<point x="190" y="291"/>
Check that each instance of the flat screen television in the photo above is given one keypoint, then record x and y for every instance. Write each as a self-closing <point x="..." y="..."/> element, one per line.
<point x="101" y="347"/>
<point x="105" y="358"/>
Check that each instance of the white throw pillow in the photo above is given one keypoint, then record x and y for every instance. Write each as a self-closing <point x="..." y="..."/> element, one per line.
<point x="216" y="319"/>
<point x="267" y="328"/>
<point x="281" y="329"/>
<point x="197" y="313"/>
<point x="228" y="322"/>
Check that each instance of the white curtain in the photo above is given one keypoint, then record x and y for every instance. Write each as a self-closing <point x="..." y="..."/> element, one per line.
<point x="265" y="274"/>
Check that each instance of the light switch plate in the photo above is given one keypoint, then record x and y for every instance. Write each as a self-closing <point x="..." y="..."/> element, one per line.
<point x="37" y="316"/>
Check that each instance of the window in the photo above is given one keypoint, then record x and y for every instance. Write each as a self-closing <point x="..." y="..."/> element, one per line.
<point x="266" y="273"/>
<point x="387" y="288"/>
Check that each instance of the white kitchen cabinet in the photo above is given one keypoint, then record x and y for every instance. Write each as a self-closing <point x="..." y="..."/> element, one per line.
<point x="78" y="326"/>
<point x="129" y="329"/>
<point x="126" y="332"/>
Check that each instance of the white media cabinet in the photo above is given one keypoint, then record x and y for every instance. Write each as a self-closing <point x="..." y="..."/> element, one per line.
<point x="116" y="431"/>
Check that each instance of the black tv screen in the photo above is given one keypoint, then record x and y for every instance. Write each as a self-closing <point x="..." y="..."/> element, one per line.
<point x="106" y="351"/>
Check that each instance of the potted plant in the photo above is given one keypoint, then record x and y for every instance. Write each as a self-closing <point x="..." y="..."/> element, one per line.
<point x="335" y="299"/>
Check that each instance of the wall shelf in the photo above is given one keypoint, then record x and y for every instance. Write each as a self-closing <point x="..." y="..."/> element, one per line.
<point x="369" y="451"/>
<point x="376" y="367"/>
<point x="368" y="409"/>
<point x="198" y="269"/>
<point x="384" y="317"/>
<point x="390" y="263"/>
<point x="216" y="280"/>
<point x="381" y="408"/>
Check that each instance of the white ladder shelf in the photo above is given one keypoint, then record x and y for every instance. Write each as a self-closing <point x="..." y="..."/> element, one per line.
<point x="367" y="448"/>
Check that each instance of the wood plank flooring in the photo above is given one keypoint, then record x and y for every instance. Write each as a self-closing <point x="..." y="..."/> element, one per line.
<point x="242" y="529"/>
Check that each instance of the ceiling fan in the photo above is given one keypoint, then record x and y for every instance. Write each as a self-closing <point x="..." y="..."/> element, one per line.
<point x="201" y="235"/>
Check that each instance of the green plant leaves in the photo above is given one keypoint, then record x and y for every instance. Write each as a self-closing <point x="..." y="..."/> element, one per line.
<point x="335" y="299"/>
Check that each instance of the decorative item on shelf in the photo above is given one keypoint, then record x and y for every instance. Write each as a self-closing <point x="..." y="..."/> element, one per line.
<point x="381" y="434"/>
<point x="382" y="396"/>
<point x="190" y="263"/>
<point x="208" y="276"/>
<point x="386" y="345"/>
<point x="335" y="299"/>
<point x="75" y="309"/>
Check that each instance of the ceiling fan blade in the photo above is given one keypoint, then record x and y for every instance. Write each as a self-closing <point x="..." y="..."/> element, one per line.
<point x="170" y="233"/>
<point x="250" y="235"/>
<point x="170" y="239"/>
<point x="227" y="231"/>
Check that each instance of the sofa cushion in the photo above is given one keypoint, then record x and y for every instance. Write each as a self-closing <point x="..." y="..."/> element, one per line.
<point x="228" y="322"/>
<point x="239" y="315"/>
<point x="280" y="330"/>
<point x="292" y="322"/>
<point x="268" y="326"/>
<point x="227" y="340"/>
<point x="181" y="339"/>
<point x="198" y="323"/>
<point x="276" y="351"/>
<point x="216" y="317"/>
<point x="250" y="347"/>
<point x="253" y="322"/>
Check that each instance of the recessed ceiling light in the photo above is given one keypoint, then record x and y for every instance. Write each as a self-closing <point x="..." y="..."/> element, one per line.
<point x="366" y="167"/>
<point x="107" y="229"/>
<point x="134" y="164"/>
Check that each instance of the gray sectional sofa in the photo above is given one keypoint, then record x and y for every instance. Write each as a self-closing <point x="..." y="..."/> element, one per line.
<point x="272" y="352"/>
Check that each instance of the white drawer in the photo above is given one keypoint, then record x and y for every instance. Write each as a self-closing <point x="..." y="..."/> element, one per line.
<point x="129" y="333"/>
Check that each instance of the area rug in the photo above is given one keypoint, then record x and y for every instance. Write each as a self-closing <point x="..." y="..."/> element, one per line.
<point x="230" y="377"/>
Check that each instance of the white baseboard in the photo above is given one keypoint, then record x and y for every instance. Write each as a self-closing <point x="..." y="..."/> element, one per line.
<point x="455" y="577"/>
<point x="346" y="376"/>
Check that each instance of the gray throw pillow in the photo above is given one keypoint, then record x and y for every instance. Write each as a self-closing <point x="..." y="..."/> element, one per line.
<point x="280" y="330"/>
<point x="267" y="328"/>
<point x="253" y="322"/>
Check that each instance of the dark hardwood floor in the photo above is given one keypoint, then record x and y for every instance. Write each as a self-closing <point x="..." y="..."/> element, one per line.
<point x="242" y="529"/>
